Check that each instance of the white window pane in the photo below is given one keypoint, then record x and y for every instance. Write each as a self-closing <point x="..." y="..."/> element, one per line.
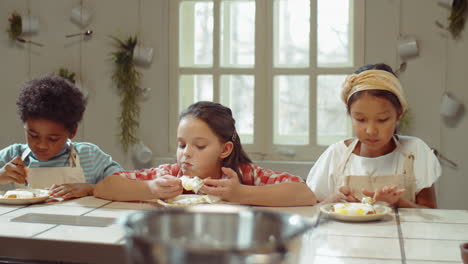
<point x="196" y="34"/>
<point x="237" y="33"/>
<point x="333" y="33"/>
<point x="237" y="92"/>
<point x="291" y="33"/>
<point x="291" y="110"/>
<point x="194" y="88"/>
<point x="333" y="123"/>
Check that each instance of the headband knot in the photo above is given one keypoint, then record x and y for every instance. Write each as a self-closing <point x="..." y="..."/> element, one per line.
<point x="373" y="80"/>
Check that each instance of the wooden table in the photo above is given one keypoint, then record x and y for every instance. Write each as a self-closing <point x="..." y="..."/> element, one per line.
<point x="412" y="236"/>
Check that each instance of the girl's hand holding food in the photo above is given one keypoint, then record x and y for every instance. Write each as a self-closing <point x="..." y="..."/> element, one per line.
<point x="166" y="187"/>
<point x="228" y="189"/>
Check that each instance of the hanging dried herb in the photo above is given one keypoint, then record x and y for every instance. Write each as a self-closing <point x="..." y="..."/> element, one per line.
<point x="16" y="29"/>
<point x="16" y="26"/>
<point x="65" y="73"/>
<point x="457" y="17"/>
<point x="127" y="80"/>
<point x="405" y="122"/>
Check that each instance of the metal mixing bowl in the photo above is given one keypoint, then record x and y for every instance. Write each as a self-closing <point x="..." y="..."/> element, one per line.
<point x="210" y="234"/>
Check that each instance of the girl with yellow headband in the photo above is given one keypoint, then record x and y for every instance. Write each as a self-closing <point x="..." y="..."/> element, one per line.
<point x="399" y="170"/>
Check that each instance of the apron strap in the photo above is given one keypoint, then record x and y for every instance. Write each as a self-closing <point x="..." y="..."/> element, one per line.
<point x="348" y="152"/>
<point x="350" y="149"/>
<point x="409" y="178"/>
<point x="73" y="158"/>
<point x="341" y="180"/>
<point x="352" y="146"/>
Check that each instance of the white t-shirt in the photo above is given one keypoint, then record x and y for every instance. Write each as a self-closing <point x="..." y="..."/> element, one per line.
<point x="323" y="175"/>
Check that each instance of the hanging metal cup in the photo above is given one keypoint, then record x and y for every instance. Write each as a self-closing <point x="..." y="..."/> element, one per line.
<point x="142" y="153"/>
<point x="445" y="3"/>
<point x="408" y="48"/>
<point x="29" y="25"/>
<point x="449" y="105"/>
<point x="143" y="55"/>
<point x="81" y="16"/>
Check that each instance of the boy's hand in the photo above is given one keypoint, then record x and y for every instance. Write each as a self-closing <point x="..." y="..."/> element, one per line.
<point x="166" y="187"/>
<point x="71" y="190"/>
<point x="390" y="194"/>
<point x="229" y="189"/>
<point x="14" y="171"/>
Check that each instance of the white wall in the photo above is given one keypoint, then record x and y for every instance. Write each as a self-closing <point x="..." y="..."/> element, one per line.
<point x="118" y="18"/>
<point x="440" y="67"/>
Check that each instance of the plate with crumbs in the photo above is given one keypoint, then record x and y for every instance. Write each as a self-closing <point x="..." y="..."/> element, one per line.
<point x="24" y="196"/>
<point x="184" y="200"/>
<point x="355" y="212"/>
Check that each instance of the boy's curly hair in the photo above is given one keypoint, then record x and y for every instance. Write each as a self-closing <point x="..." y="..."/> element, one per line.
<point x="52" y="98"/>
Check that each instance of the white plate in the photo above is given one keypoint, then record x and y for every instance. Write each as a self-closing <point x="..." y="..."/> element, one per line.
<point x="184" y="200"/>
<point x="42" y="195"/>
<point x="381" y="211"/>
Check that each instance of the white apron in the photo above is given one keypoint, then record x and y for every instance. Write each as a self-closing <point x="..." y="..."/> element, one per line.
<point x="44" y="177"/>
<point x="405" y="179"/>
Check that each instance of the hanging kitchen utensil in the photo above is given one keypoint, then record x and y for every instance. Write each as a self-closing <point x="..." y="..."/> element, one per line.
<point x="87" y="33"/>
<point x="444" y="159"/>
<point x="22" y="40"/>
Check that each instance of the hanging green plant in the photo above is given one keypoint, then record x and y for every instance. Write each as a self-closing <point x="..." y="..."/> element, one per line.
<point x="65" y="73"/>
<point x="16" y="26"/>
<point x="457" y="17"/>
<point x="127" y="79"/>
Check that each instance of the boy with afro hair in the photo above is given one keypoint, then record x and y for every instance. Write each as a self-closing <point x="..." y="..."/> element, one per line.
<point x="50" y="108"/>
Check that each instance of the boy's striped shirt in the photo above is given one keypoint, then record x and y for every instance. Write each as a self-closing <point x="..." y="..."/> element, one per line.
<point x="95" y="163"/>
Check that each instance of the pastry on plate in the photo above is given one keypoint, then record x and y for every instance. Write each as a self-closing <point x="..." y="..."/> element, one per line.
<point x="189" y="199"/>
<point x="354" y="209"/>
<point x="191" y="183"/>
<point x="19" y="194"/>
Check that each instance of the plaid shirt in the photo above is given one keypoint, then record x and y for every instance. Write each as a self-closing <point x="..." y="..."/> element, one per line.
<point x="251" y="174"/>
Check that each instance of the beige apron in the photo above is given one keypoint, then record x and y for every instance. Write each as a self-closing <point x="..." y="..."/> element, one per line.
<point x="405" y="179"/>
<point x="44" y="177"/>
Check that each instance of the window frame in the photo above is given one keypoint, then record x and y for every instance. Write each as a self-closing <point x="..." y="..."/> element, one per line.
<point x="263" y="72"/>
